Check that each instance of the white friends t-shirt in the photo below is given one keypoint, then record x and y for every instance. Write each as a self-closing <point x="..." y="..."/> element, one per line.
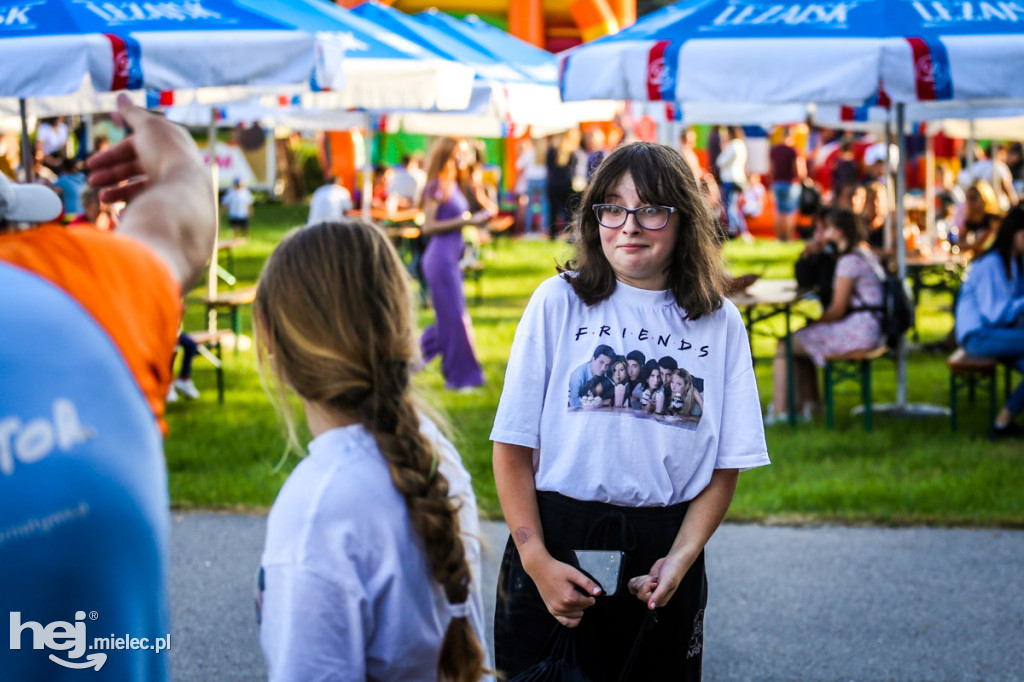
<point x="629" y="456"/>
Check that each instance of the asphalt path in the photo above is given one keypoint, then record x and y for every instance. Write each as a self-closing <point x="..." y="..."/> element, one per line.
<point x="815" y="603"/>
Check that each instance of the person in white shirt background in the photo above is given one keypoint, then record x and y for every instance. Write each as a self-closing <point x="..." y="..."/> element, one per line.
<point x="993" y="171"/>
<point x="408" y="181"/>
<point x="52" y="139"/>
<point x="371" y="564"/>
<point x="329" y="202"/>
<point x="238" y="201"/>
<point x="732" y="171"/>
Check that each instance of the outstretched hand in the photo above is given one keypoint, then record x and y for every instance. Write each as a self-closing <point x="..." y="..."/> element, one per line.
<point x="155" y="146"/>
<point x="159" y="171"/>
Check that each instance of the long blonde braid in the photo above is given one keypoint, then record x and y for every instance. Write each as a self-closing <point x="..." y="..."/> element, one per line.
<point x="334" y="322"/>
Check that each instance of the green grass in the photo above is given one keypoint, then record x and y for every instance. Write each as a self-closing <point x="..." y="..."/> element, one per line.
<point x="907" y="471"/>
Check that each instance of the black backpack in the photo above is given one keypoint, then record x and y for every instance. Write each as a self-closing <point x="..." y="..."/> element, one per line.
<point x="896" y="314"/>
<point x="810" y="199"/>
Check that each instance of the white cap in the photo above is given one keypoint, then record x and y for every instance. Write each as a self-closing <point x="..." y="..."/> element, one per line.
<point x="21" y="203"/>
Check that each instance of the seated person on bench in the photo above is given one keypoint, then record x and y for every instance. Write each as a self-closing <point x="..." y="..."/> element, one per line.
<point x="844" y="326"/>
<point x="990" y="311"/>
<point x="184" y="385"/>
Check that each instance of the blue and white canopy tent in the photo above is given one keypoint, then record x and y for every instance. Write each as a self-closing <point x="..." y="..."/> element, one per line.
<point x="811" y="52"/>
<point x="825" y="52"/>
<point x="49" y="46"/>
<point x="545" y="114"/>
<point x="211" y="51"/>
<point x="506" y="92"/>
<point x="537" y="64"/>
<point x="57" y="47"/>
<point x="368" y="66"/>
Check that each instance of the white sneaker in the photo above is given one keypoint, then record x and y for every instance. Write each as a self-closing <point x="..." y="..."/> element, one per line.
<point x="172" y="395"/>
<point x="771" y="418"/>
<point x="186" y="388"/>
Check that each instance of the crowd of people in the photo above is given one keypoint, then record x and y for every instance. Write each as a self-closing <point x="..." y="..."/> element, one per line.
<point x="347" y="594"/>
<point x="632" y="334"/>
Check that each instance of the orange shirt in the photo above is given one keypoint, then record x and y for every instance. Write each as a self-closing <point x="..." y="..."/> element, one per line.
<point x="124" y="286"/>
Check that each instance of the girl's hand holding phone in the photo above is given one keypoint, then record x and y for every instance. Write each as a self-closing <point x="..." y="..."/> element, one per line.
<point x="564" y="590"/>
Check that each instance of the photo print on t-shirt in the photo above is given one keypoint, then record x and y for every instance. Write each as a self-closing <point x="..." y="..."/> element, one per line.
<point x="631" y="384"/>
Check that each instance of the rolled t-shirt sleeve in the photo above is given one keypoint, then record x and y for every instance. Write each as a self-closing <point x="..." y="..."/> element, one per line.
<point x="741" y="443"/>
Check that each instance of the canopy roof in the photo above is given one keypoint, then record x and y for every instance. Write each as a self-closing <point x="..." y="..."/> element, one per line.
<point x="802" y="51"/>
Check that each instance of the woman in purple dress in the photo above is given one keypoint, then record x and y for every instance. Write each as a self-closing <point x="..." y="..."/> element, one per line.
<point x="446" y="211"/>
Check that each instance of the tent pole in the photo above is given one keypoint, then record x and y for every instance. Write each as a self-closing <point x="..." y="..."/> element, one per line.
<point x="889" y="230"/>
<point x="970" y="149"/>
<point x="211" y="275"/>
<point x="901" y="408"/>
<point x="367" y="198"/>
<point x="27" y="160"/>
<point x="901" y="246"/>
<point x="929" y="185"/>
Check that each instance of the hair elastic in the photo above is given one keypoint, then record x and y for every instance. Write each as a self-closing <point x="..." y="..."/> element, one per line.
<point x="433" y="467"/>
<point x="459" y="610"/>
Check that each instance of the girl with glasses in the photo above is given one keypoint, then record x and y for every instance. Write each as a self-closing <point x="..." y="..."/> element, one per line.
<point x="645" y="275"/>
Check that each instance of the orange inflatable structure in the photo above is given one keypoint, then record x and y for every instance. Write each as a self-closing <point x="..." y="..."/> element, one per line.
<point x="554" y="25"/>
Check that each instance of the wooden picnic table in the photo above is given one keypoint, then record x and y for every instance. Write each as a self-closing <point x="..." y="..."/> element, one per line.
<point x="939" y="270"/>
<point x="763" y="300"/>
<point x="232" y="243"/>
<point x="386" y="217"/>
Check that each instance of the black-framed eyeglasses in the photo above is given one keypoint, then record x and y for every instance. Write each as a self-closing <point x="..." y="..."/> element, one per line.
<point x="614" y="216"/>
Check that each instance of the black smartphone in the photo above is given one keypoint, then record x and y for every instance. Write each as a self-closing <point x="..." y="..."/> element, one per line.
<point x="602" y="566"/>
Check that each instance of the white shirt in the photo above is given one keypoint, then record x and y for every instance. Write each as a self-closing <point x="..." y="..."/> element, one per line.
<point x="623" y="456"/>
<point x="328" y="204"/>
<point x="525" y="162"/>
<point x="995" y="173"/>
<point x="347" y="590"/>
<point x="732" y="162"/>
<point x="407" y="185"/>
<point x="52" y="139"/>
<point x="238" y="200"/>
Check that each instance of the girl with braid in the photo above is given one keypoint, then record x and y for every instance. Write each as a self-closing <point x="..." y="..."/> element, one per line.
<point x="371" y="561"/>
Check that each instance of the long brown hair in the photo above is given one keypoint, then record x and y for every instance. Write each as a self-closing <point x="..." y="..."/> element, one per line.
<point x="695" y="273"/>
<point x="850" y="224"/>
<point x="334" y="323"/>
<point x="1003" y="243"/>
<point x="441" y="152"/>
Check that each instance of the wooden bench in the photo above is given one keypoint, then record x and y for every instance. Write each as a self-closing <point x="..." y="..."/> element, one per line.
<point x="231" y="301"/>
<point x="210" y="347"/>
<point x="228" y="246"/>
<point x="852" y="366"/>
<point x="971" y="372"/>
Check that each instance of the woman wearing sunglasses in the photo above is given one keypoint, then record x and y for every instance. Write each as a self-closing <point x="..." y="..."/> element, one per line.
<point x="645" y="275"/>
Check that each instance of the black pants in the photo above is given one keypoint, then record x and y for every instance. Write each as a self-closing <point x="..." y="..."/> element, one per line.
<point x="671" y="650"/>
